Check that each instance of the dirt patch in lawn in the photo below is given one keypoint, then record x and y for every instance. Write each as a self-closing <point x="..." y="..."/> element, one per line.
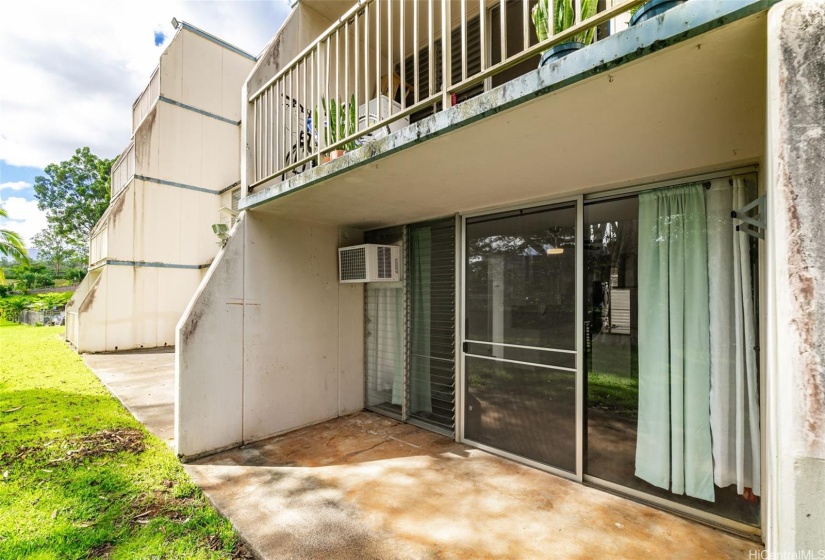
<point x="80" y="448"/>
<point x="163" y="503"/>
<point x="239" y="551"/>
<point x="101" y="551"/>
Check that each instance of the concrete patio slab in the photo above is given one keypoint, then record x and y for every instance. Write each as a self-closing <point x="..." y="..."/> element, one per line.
<point x="144" y="381"/>
<point x="368" y="487"/>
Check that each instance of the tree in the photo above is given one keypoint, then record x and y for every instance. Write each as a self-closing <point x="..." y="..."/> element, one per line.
<point x="11" y="245"/>
<point x="74" y="194"/>
<point x="32" y="276"/>
<point x="56" y="249"/>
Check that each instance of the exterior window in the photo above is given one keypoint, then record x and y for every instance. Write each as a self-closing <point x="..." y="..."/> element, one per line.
<point x="431" y="308"/>
<point x="384" y="336"/>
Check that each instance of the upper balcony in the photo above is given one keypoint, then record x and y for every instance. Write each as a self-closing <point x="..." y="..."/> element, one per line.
<point x="385" y="64"/>
<point x="123" y="170"/>
<point x="146" y="100"/>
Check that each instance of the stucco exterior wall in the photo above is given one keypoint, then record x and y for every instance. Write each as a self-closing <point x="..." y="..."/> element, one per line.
<point x="203" y="74"/>
<point x="129" y="307"/>
<point x="300" y="335"/>
<point x="209" y="356"/>
<point x="158" y="232"/>
<point x="796" y="345"/>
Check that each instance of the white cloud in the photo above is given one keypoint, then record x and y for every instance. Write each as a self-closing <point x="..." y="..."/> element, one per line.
<point x="14" y="186"/>
<point x="24" y="217"/>
<point x="71" y="70"/>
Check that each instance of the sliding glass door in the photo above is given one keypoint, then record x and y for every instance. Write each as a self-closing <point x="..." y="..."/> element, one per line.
<point x="520" y="335"/>
<point x="672" y="384"/>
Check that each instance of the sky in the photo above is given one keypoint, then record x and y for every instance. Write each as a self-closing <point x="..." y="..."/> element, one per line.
<point x="71" y="69"/>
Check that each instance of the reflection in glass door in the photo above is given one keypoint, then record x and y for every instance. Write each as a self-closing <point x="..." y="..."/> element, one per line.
<point x="520" y="337"/>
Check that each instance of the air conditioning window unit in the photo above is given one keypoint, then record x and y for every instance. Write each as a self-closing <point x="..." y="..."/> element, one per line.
<point x="369" y="263"/>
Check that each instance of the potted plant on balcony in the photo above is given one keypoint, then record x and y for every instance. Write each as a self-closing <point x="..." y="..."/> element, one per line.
<point x="563" y="18"/>
<point x="652" y="9"/>
<point x="340" y="123"/>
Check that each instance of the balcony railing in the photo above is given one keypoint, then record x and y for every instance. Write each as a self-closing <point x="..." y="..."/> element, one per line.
<point x="123" y="170"/>
<point x="99" y="246"/>
<point x="146" y="100"/>
<point x="387" y="61"/>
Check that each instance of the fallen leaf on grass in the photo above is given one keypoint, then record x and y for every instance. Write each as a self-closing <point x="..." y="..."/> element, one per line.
<point x="12" y="410"/>
<point x="54" y="514"/>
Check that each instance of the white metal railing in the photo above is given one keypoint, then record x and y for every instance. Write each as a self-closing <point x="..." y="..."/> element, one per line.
<point x="123" y="170"/>
<point x="377" y="49"/>
<point x="146" y="100"/>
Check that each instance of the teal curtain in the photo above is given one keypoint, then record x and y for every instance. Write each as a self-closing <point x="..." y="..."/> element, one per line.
<point x="420" y="319"/>
<point x="673" y="449"/>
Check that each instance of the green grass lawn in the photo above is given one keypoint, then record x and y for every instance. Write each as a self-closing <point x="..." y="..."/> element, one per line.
<point x="79" y="476"/>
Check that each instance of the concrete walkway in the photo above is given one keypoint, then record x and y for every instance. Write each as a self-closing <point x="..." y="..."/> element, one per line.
<point x="367" y="487"/>
<point x="144" y="381"/>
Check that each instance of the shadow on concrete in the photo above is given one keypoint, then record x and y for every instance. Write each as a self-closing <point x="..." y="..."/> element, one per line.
<point x="366" y="486"/>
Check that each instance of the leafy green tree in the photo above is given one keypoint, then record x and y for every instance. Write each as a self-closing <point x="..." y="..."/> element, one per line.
<point x="74" y="194"/>
<point x="11" y="245"/>
<point x="56" y="249"/>
<point x="31" y="276"/>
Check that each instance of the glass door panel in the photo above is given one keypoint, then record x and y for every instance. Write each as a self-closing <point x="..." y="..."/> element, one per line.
<point x="638" y="405"/>
<point x="520" y="345"/>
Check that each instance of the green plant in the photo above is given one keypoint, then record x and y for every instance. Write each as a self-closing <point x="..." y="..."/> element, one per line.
<point x="31" y="276"/>
<point x="564" y="17"/>
<point x="11" y="245"/>
<point x="75" y="275"/>
<point x="340" y="121"/>
<point x="11" y="306"/>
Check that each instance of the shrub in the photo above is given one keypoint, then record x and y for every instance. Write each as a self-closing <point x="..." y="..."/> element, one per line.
<point x="11" y="306"/>
<point x="75" y="275"/>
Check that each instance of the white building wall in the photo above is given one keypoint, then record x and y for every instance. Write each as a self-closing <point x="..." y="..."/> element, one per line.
<point x="300" y="337"/>
<point x="156" y="235"/>
<point x="209" y="357"/>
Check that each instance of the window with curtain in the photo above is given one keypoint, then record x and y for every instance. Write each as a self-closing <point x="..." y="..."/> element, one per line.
<point x="384" y="346"/>
<point x="673" y="382"/>
<point x="384" y="335"/>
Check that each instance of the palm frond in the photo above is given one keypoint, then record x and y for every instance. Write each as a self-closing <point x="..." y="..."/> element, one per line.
<point x="11" y="245"/>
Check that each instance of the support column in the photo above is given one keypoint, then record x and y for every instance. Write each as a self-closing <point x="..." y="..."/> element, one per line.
<point x="795" y="377"/>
